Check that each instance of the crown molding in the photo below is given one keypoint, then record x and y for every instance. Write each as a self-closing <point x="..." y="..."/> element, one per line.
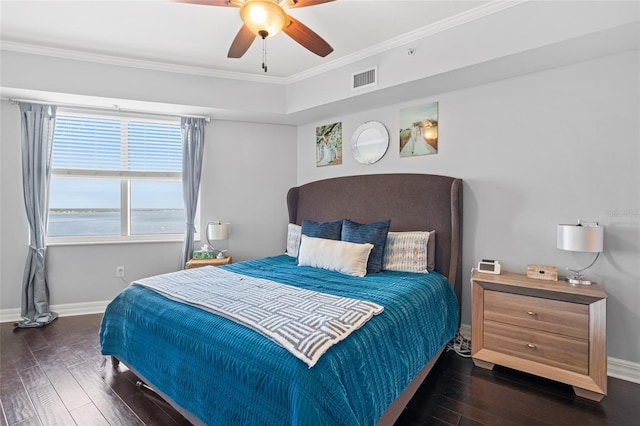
<point x="479" y="12"/>
<point x="474" y="14"/>
<point x="133" y="63"/>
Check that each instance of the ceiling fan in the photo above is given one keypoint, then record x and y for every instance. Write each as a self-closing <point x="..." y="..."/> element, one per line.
<point x="266" y="18"/>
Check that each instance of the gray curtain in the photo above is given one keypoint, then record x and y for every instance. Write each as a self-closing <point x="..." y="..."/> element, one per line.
<point x="38" y="122"/>
<point x="192" y="149"/>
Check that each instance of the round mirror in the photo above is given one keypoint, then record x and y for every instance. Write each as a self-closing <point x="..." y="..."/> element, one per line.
<point x="369" y="142"/>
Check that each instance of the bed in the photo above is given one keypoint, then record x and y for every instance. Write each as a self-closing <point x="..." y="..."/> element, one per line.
<point x="215" y="371"/>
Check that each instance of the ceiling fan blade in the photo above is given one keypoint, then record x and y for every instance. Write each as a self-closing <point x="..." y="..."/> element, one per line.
<point x="241" y="43"/>
<point x="307" y="38"/>
<point x="227" y="3"/>
<point x="304" y="3"/>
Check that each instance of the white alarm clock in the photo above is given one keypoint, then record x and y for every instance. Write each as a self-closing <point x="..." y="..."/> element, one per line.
<point x="488" y="266"/>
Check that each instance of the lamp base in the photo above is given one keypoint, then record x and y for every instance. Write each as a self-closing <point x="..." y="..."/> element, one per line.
<point x="577" y="280"/>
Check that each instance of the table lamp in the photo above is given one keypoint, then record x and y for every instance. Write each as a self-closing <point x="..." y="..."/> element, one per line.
<point x="585" y="237"/>
<point x="217" y="231"/>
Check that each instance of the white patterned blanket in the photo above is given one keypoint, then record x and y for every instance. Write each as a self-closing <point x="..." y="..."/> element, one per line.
<point x="304" y="322"/>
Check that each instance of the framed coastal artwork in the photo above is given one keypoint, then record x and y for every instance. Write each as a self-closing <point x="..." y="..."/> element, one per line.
<point x="329" y="145"/>
<point x="419" y="130"/>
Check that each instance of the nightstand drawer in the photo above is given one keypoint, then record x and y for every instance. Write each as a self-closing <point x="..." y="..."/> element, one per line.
<point x="554" y="316"/>
<point x="538" y="346"/>
<point x="197" y="263"/>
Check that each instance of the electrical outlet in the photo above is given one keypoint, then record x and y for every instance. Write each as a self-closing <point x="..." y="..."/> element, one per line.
<point x="119" y="271"/>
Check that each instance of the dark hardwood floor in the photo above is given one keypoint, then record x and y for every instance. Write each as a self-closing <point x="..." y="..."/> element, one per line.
<point x="54" y="375"/>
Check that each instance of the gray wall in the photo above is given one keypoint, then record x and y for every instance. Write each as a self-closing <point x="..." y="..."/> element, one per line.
<point x="534" y="151"/>
<point x="246" y="165"/>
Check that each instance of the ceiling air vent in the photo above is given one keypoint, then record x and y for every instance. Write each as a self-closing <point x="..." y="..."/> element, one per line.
<point x="364" y="79"/>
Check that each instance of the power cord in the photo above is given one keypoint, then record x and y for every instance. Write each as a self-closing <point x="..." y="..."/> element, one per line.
<point x="460" y="345"/>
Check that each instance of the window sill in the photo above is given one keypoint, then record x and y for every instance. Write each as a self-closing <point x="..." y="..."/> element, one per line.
<point x="91" y="241"/>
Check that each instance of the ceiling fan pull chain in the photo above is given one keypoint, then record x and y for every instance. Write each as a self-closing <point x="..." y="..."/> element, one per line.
<point x="264" y="54"/>
<point x="264" y="34"/>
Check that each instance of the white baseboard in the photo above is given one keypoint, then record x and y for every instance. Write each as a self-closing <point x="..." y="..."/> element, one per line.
<point x="64" y="310"/>
<point x="618" y="368"/>
<point x="465" y="330"/>
<point x="625" y="370"/>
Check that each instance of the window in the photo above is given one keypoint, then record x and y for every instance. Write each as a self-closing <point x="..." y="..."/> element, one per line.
<point x="115" y="179"/>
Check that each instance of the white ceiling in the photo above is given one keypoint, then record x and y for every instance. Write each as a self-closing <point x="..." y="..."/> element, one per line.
<point x="196" y="38"/>
<point x="474" y="42"/>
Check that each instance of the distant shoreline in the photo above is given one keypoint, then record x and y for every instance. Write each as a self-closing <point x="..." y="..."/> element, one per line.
<point x="93" y="210"/>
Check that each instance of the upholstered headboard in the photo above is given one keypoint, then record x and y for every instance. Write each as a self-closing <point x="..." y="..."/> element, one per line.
<point x="413" y="202"/>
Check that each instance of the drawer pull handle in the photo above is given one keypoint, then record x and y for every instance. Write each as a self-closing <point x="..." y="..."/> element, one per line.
<point x="531" y="313"/>
<point x="531" y="346"/>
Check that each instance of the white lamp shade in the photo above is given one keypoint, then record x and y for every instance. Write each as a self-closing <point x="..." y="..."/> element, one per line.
<point x="218" y="231"/>
<point x="581" y="237"/>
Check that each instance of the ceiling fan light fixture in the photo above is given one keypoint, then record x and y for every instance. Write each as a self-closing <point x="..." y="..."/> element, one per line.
<point x="263" y="16"/>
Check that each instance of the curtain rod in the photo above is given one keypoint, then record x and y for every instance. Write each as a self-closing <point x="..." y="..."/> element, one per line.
<point x="114" y="108"/>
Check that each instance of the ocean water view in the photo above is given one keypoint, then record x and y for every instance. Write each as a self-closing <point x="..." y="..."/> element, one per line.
<point x="81" y="222"/>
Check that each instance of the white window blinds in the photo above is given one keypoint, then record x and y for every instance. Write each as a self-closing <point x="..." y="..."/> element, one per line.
<point x="123" y="147"/>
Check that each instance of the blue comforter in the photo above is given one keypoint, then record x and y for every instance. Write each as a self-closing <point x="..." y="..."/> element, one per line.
<point x="226" y="374"/>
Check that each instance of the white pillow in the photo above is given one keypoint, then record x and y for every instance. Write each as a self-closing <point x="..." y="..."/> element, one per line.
<point x="333" y="255"/>
<point x="293" y="239"/>
<point x="409" y="251"/>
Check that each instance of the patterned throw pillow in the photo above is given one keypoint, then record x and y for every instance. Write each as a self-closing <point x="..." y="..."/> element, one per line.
<point x="407" y="251"/>
<point x="374" y="233"/>
<point x="293" y="239"/>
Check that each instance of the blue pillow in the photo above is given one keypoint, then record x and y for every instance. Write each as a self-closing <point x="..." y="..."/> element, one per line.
<point x="374" y="233"/>
<point x="327" y="230"/>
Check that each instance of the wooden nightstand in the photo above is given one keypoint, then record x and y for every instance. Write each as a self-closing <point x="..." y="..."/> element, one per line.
<point x="548" y="328"/>
<point x="196" y="263"/>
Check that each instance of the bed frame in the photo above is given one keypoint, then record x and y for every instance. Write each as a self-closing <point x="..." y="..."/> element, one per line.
<point x="413" y="202"/>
